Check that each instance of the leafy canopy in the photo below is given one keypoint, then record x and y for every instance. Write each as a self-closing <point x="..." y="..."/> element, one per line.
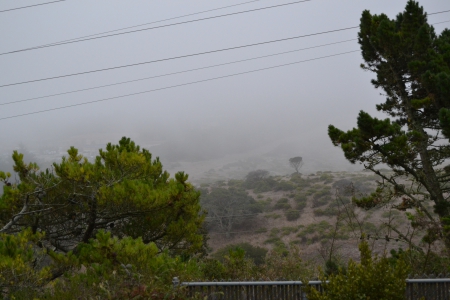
<point x="123" y="191"/>
<point x="412" y="67"/>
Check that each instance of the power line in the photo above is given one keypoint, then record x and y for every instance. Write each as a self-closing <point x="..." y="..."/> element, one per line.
<point x="1" y="11"/>
<point x="178" y="57"/>
<point x="175" y="86"/>
<point x="441" y="22"/>
<point x="173" y="73"/>
<point x="151" y="28"/>
<point x="188" y="55"/>
<point x="439" y="12"/>
<point x="87" y="37"/>
<point x="159" y="21"/>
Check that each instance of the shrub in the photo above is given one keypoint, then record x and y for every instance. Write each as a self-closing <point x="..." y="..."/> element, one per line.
<point x="236" y="183"/>
<point x="329" y="211"/>
<point x="287" y="266"/>
<point x="300" y="198"/>
<point x="272" y="216"/>
<point x="259" y="181"/>
<point x="282" y="203"/>
<point x="372" y="278"/>
<point x="257" y="254"/>
<point x="288" y="230"/>
<point x="300" y="202"/>
<point x="284" y="186"/>
<point x="292" y="214"/>
<point x="261" y="230"/>
<point x="327" y="178"/>
<point x="273" y="240"/>
<point x="318" y="202"/>
<point x="19" y="264"/>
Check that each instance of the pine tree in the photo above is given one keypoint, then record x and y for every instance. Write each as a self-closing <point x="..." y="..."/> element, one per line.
<point x="123" y="191"/>
<point x="412" y="67"/>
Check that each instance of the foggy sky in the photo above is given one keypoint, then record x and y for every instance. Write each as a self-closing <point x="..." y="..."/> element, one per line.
<point x="291" y="105"/>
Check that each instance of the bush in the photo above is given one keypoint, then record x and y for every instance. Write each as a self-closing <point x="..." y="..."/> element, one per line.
<point x="272" y="216"/>
<point x="318" y="202"/>
<point x="284" y="186"/>
<point x="288" y="230"/>
<point x="327" y="178"/>
<point x="300" y="198"/>
<point x="282" y="203"/>
<point x="373" y="278"/>
<point x="292" y="214"/>
<point x="257" y="254"/>
<point x="329" y="211"/>
<point x="288" y="266"/>
<point x="259" y="181"/>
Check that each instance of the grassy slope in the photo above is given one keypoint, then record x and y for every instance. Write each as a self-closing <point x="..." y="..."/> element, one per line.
<point x="319" y="200"/>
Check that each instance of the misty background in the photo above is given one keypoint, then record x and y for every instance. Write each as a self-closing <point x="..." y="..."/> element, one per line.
<point x="216" y="129"/>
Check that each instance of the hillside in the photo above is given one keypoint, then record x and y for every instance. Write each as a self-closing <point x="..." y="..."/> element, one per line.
<point x="302" y="210"/>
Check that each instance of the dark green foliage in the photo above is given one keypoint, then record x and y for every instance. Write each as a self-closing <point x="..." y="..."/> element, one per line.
<point x="284" y="186"/>
<point x="257" y="254"/>
<point x="299" y="181"/>
<point x="292" y="214"/>
<point x="124" y="191"/>
<point x="288" y="230"/>
<point x="299" y="198"/>
<point x="260" y="181"/>
<point x="326" y="178"/>
<point x="333" y="268"/>
<point x="225" y="205"/>
<point x="372" y="278"/>
<point x="282" y="203"/>
<point x="296" y="163"/>
<point x="319" y="232"/>
<point x="273" y="216"/>
<point x="300" y="202"/>
<point x="321" y="198"/>
<point x="422" y="262"/>
<point x="412" y="67"/>
<point x="236" y="183"/>
<point x="273" y="240"/>
<point x="329" y="211"/>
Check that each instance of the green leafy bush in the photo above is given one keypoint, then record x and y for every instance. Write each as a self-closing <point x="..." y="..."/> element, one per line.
<point x="318" y="202"/>
<point x="288" y="265"/>
<point x="288" y="230"/>
<point x="284" y="186"/>
<point x="372" y="278"/>
<point x="329" y="211"/>
<point x="272" y="216"/>
<point x="257" y="254"/>
<point x="20" y="270"/>
<point x="282" y="203"/>
<point x="292" y="214"/>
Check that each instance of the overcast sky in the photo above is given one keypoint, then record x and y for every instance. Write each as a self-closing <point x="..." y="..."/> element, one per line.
<point x="295" y="102"/>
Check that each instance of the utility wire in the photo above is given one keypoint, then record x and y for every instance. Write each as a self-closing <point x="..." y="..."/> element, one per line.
<point x="159" y="21"/>
<point x="1" y="11"/>
<point x="439" y="12"/>
<point x="187" y="55"/>
<point x="441" y="22"/>
<point x="156" y="27"/>
<point x="175" y="86"/>
<point x="87" y="37"/>
<point x="177" y="57"/>
<point x="173" y="73"/>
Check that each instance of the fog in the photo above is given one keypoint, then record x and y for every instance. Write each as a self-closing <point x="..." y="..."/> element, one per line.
<point x="223" y="127"/>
